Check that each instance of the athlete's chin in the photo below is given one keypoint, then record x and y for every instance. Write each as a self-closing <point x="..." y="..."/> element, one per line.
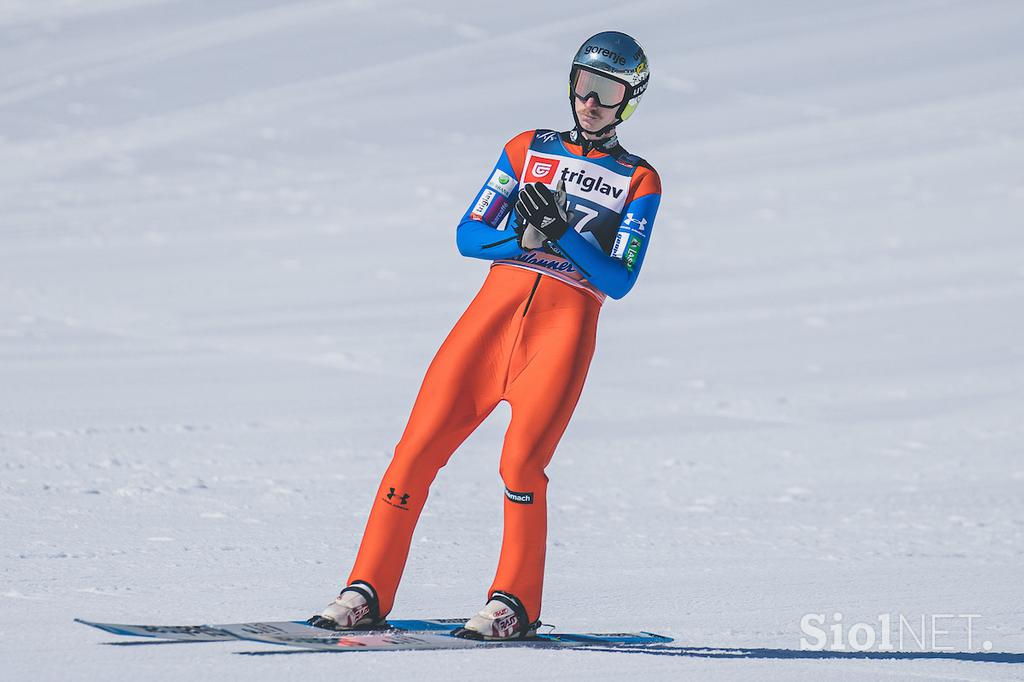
<point x="591" y="125"/>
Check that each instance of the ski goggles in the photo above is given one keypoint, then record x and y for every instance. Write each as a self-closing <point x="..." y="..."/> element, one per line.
<point x="608" y="91"/>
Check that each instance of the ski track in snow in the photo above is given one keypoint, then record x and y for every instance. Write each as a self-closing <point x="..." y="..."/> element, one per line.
<point x="226" y="258"/>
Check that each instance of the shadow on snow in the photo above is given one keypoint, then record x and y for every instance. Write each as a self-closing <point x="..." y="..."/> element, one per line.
<point x="737" y="653"/>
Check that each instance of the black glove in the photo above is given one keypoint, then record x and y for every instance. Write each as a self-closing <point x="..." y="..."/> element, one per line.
<point x="540" y="208"/>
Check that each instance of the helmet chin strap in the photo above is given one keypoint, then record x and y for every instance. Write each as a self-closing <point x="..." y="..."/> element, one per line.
<point x="604" y="144"/>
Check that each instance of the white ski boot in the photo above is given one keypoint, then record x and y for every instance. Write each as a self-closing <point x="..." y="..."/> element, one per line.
<point x="503" y="618"/>
<point x="356" y="608"/>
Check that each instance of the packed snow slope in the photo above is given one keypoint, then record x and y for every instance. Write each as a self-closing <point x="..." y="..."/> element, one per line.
<point x="227" y="256"/>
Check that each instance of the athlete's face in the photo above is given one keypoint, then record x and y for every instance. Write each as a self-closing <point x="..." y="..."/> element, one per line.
<point x="592" y="115"/>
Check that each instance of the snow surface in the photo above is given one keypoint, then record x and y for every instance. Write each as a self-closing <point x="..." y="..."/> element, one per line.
<point x="227" y="256"/>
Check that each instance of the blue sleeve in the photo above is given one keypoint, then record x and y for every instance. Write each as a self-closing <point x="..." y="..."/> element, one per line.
<point x="478" y="235"/>
<point x="615" y="274"/>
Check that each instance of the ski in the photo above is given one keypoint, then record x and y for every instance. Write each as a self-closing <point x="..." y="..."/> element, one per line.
<point x="396" y="635"/>
<point x="224" y="632"/>
<point x="406" y="640"/>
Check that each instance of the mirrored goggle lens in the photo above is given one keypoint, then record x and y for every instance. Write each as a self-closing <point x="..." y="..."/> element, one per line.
<point x="610" y="93"/>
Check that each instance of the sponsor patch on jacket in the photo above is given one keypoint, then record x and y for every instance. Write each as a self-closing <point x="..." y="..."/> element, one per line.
<point x="583" y="179"/>
<point x="632" y="253"/>
<point x="638" y="225"/>
<point x="502" y="182"/>
<point x="482" y="205"/>
<point x="541" y="169"/>
<point x="496" y="211"/>
<point x="621" y="241"/>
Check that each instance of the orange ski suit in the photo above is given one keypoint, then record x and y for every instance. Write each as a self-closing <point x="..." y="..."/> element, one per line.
<point x="526" y="338"/>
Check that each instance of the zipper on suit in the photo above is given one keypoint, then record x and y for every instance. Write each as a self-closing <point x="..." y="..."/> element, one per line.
<point x="532" y="292"/>
<point x="498" y="243"/>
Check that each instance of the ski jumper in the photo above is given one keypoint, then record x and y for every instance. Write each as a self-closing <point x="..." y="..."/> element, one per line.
<point x="526" y="338"/>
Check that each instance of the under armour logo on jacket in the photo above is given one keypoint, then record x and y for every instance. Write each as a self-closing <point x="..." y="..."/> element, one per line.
<point x="629" y="221"/>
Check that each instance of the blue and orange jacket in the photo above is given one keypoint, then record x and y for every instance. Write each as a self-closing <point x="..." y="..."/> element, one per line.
<point x="613" y="197"/>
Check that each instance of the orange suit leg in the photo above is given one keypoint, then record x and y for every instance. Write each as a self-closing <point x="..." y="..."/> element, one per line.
<point x="463" y="384"/>
<point x="548" y="369"/>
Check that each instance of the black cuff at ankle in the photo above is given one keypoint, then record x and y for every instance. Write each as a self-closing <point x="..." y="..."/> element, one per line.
<point x="512" y="601"/>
